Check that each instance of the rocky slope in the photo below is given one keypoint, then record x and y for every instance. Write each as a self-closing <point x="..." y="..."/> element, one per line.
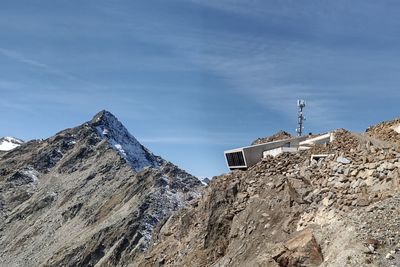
<point x="277" y="136"/>
<point x="88" y="196"/>
<point x="388" y="131"/>
<point x="290" y="211"/>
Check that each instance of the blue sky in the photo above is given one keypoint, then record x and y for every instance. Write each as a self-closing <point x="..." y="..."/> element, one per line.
<point x="192" y="78"/>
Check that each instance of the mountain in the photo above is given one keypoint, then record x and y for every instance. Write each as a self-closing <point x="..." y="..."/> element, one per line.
<point x="88" y="196"/>
<point x="8" y="143"/>
<point x="109" y="128"/>
<point x="290" y="210"/>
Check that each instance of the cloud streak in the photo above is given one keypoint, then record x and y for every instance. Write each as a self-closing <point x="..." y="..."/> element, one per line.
<point x="200" y="139"/>
<point x="39" y="65"/>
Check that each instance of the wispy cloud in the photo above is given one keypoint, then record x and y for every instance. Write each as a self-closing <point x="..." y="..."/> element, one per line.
<point x="263" y="75"/>
<point x="173" y="140"/>
<point x="234" y="6"/>
<point x="208" y="138"/>
<point x="28" y="61"/>
<point x="256" y="67"/>
<point x="195" y="140"/>
<point x="260" y="68"/>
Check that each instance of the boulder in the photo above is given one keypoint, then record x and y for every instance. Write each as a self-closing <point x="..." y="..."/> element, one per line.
<point x="301" y="250"/>
<point x="343" y="160"/>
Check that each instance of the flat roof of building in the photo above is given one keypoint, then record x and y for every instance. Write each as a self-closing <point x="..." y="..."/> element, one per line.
<point x="272" y="142"/>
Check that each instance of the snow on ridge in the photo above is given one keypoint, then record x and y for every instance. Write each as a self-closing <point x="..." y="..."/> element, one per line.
<point x="9" y="143"/>
<point x="108" y="127"/>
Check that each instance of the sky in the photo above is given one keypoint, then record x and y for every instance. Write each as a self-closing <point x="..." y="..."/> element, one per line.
<point x="192" y="78"/>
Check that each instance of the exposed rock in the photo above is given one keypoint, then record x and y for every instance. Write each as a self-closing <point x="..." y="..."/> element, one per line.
<point x="81" y="198"/>
<point x="78" y="199"/>
<point x="343" y="160"/>
<point x="389" y="256"/>
<point x="275" y="137"/>
<point x="301" y="250"/>
<point x="282" y="195"/>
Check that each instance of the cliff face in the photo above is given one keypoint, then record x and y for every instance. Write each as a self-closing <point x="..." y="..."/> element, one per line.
<point x="290" y="211"/>
<point x="89" y="195"/>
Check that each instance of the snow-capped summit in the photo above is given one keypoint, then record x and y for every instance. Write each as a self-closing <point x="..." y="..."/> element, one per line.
<point x="110" y="128"/>
<point x="8" y="143"/>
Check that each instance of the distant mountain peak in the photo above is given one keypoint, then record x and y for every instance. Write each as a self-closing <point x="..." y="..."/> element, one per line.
<point x="110" y="128"/>
<point x="8" y="143"/>
<point x="103" y="116"/>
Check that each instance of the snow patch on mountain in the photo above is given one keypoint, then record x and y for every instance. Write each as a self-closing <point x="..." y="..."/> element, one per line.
<point x="109" y="128"/>
<point x="9" y="143"/>
<point x="204" y="180"/>
<point x="31" y="173"/>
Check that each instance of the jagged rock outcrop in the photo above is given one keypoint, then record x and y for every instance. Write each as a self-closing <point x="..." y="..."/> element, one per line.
<point x="88" y="196"/>
<point x="301" y="250"/>
<point x="291" y="211"/>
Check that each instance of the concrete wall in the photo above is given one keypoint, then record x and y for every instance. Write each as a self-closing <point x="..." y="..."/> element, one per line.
<point x="277" y="151"/>
<point x="254" y="154"/>
<point x="322" y="139"/>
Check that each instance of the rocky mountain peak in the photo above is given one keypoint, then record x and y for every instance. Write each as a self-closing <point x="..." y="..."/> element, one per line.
<point x="71" y="200"/>
<point x="103" y="116"/>
<point x="110" y="128"/>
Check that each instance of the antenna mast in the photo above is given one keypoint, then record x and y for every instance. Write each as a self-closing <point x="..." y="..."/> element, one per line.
<point x="300" y="118"/>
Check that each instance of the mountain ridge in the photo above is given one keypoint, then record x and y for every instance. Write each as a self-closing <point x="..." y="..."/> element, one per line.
<point x="74" y="198"/>
<point x="82" y="198"/>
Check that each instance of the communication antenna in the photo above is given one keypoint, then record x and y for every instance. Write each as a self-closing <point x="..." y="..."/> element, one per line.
<point x="300" y="118"/>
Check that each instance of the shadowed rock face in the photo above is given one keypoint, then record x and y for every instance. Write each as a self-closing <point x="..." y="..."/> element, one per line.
<point x="89" y="195"/>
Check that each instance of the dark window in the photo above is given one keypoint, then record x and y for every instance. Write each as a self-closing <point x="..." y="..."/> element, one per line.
<point x="235" y="159"/>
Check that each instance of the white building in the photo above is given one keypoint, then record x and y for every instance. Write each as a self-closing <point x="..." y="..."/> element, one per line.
<point x="245" y="157"/>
